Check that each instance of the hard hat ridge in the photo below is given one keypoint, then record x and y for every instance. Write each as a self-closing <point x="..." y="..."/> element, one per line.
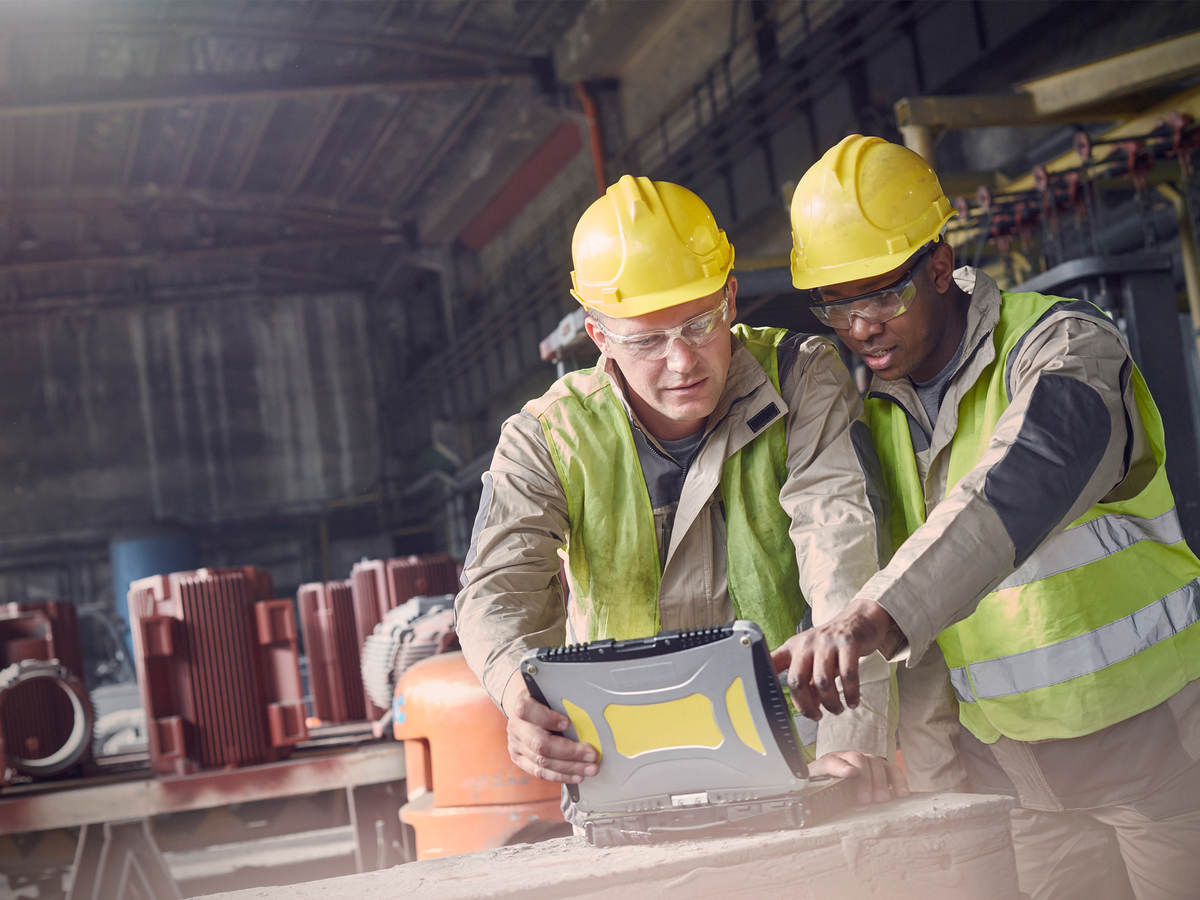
<point x="647" y="245"/>
<point x="628" y="192"/>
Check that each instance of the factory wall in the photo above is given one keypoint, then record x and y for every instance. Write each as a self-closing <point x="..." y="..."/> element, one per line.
<point x="215" y="410"/>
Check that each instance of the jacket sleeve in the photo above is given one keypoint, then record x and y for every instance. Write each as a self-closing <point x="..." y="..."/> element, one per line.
<point x="1070" y="436"/>
<point x="512" y="598"/>
<point x="832" y="498"/>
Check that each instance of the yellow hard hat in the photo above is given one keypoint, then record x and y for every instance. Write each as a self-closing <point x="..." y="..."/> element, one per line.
<point x="861" y="210"/>
<point x="646" y="245"/>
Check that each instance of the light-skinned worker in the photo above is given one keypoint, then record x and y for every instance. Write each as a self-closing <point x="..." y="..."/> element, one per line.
<point x="1037" y="537"/>
<point x="696" y="474"/>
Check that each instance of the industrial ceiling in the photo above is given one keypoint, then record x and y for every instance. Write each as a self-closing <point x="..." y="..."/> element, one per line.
<point x="153" y="149"/>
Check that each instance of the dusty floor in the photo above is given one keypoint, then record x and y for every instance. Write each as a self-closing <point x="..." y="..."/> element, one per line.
<point x="930" y="847"/>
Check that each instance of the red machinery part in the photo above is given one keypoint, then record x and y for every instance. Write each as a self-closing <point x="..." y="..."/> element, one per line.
<point x="218" y="666"/>
<point x="369" y="593"/>
<point x="1185" y="140"/>
<point x="378" y="586"/>
<point x="46" y="720"/>
<point x="1137" y="159"/>
<point x="1083" y="146"/>
<point x="464" y="792"/>
<point x="45" y="717"/>
<point x="43" y="630"/>
<point x="332" y="645"/>
<point x="420" y="576"/>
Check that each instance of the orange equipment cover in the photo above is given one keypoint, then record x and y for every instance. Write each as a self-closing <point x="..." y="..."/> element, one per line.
<point x="456" y="750"/>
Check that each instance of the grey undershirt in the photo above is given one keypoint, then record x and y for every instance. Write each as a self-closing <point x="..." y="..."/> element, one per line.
<point x="664" y="476"/>
<point x="930" y="392"/>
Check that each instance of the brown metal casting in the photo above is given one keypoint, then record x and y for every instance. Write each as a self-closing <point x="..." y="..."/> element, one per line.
<point x="218" y="669"/>
<point x="45" y="715"/>
<point x="46" y="720"/>
<point x="369" y="592"/>
<point x="379" y="585"/>
<point x="420" y="576"/>
<point x="332" y="645"/>
<point x="61" y="635"/>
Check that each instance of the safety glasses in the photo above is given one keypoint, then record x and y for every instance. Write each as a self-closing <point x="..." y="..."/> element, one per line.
<point x="876" y="307"/>
<point x="695" y="332"/>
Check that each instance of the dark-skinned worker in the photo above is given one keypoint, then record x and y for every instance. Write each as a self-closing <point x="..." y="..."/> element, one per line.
<point x="699" y="472"/>
<point x="1038" y="547"/>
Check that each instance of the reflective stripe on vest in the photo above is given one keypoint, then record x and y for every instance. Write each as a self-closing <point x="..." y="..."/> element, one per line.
<point x="1096" y="624"/>
<point x="1083" y="655"/>
<point x="592" y="446"/>
<point x="1094" y="540"/>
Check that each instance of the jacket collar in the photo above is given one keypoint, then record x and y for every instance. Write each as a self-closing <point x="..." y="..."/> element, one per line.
<point x="746" y="381"/>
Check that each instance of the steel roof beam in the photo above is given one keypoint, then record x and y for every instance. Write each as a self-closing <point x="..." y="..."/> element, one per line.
<point x="1102" y="91"/>
<point x="1126" y="73"/>
<point x="146" y="95"/>
<point x="186" y="253"/>
<point x="300" y="172"/>
<point x="181" y="29"/>
<point x="429" y="164"/>
<point x="388" y="128"/>
<point x="100" y="199"/>
<point x="193" y="145"/>
<point x="983" y="110"/>
<point x="256" y="138"/>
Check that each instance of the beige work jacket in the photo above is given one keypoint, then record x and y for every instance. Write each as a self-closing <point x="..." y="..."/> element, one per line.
<point x="964" y="549"/>
<point x="512" y="600"/>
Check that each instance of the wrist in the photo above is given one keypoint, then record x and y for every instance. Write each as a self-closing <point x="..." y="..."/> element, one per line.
<point x="889" y="639"/>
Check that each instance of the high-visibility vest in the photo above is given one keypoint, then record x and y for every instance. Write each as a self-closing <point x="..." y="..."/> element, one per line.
<point x="1099" y="623"/>
<point x="613" y="567"/>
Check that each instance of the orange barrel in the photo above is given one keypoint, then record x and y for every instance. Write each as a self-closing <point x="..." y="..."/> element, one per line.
<point x="464" y="793"/>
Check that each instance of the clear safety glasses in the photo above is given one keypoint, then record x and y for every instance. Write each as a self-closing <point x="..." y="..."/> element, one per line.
<point x="695" y="332"/>
<point x="874" y="308"/>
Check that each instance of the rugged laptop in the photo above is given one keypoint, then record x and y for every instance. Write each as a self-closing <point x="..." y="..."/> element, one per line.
<point x="694" y="734"/>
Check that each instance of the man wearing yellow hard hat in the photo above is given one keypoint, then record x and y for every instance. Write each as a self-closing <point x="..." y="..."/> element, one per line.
<point x="701" y="471"/>
<point x="1039" y="551"/>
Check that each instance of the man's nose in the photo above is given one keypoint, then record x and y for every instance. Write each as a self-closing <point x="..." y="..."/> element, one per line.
<point x="862" y="329"/>
<point x="680" y="356"/>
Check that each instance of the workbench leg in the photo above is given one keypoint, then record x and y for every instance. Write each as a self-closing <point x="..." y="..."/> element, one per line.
<point x="120" y="860"/>
<point x="375" y="816"/>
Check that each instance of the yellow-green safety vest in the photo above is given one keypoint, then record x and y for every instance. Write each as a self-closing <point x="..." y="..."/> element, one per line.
<point x="613" y="568"/>
<point x="1099" y="623"/>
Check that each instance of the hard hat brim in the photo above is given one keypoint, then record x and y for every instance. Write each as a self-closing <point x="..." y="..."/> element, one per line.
<point x="648" y="303"/>
<point x="854" y="270"/>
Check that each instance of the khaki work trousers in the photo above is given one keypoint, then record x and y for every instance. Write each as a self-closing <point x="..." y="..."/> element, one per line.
<point x="1111" y="853"/>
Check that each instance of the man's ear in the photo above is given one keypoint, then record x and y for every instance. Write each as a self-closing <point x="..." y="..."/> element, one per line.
<point x="941" y="267"/>
<point x="732" y="314"/>
<point x="594" y="332"/>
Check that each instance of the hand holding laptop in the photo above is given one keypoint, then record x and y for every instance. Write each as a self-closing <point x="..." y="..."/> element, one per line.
<point x="533" y="744"/>
<point x="877" y="780"/>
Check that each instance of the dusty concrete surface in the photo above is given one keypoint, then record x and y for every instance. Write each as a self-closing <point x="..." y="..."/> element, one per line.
<point x="929" y="847"/>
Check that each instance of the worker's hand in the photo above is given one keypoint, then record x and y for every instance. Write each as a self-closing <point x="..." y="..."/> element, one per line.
<point x="814" y="659"/>
<point x="877" y="779"/>
<point x="532" y="746"/>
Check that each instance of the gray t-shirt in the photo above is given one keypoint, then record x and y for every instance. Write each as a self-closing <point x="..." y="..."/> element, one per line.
<point x="930" y="392"/>
<point x="664" y="478"/>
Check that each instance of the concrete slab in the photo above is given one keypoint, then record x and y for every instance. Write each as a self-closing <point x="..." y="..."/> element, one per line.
<point x="927" y="847"/>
